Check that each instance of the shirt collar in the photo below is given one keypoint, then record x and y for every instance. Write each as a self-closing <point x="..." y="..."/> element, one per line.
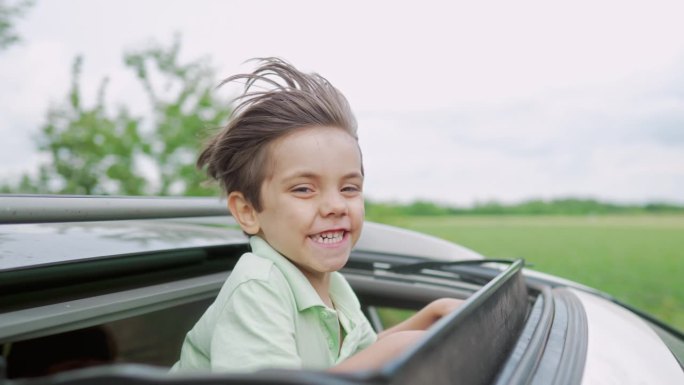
<point x="305" y="295"/>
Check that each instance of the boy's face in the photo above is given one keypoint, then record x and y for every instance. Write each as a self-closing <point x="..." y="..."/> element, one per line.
<point x="312" y="203"/>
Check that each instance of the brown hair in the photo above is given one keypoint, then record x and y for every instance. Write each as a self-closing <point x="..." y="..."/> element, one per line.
<point x="285" y="99"/>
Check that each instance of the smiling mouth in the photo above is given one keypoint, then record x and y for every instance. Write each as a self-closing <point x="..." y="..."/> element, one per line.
<point x="328" y="237"/>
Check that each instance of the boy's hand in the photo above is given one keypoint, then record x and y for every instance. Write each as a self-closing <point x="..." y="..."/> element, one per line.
<point x="443" y="306"/>
<point x="426" y="317"/>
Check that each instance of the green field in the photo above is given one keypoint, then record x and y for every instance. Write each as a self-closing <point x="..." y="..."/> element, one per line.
<point x="639" y="259"/>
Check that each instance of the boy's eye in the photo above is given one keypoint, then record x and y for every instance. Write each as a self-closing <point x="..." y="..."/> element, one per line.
<point x="351" y="189"/>
<point x="302" y="189"/>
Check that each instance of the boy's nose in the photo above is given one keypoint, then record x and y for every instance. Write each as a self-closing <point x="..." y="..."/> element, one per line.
<point x="333" y="204"/>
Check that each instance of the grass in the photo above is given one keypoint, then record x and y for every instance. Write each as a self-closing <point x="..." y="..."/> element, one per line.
<point x="639" y="259"/>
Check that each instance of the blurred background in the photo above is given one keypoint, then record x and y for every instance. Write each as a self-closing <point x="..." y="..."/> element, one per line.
<point x="552" y="132"/>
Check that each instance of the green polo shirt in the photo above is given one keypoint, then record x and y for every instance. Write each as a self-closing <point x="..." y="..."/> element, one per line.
<point x="267" y="315"/>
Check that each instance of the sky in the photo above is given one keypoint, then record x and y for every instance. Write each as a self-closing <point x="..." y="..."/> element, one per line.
<point x="457" y="102"/>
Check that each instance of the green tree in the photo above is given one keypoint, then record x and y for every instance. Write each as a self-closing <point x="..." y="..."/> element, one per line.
<point x="95" y="151"/>
<point x="92" y="151"/>
<point x="181" y="118"/>
<point x="8" y="13"/>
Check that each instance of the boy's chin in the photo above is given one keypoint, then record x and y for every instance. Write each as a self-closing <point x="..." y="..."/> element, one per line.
<point x="332" y="262"/>
<point x="327" y="267"/>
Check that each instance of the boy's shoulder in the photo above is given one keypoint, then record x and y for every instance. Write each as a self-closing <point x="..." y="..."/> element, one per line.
<point x="253" y="271"/>
<point x="251" y="266"/>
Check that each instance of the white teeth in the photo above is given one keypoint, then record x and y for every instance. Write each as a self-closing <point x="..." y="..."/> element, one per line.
<point x="329" y="237"/>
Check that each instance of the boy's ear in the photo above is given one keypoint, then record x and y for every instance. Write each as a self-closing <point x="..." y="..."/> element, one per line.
<point x="243" y="212"/>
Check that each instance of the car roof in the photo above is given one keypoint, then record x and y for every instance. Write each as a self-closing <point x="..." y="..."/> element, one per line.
<point x="29" y="245"/>
<point x="43" y="230"/>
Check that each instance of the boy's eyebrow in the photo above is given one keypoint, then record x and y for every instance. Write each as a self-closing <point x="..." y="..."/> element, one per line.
<point x="353" y="174"/>
<point x="311" y="175"/>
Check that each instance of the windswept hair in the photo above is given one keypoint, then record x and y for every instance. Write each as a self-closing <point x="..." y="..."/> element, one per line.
<point x="277" y="99"/>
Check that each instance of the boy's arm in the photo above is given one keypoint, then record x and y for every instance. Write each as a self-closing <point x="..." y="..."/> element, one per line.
<point x="393" y="341"/>
<point x="379" y="353"/>
<point x="425" y="317"/>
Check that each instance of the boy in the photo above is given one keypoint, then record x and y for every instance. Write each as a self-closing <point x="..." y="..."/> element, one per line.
<point x="290" y="164"/>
